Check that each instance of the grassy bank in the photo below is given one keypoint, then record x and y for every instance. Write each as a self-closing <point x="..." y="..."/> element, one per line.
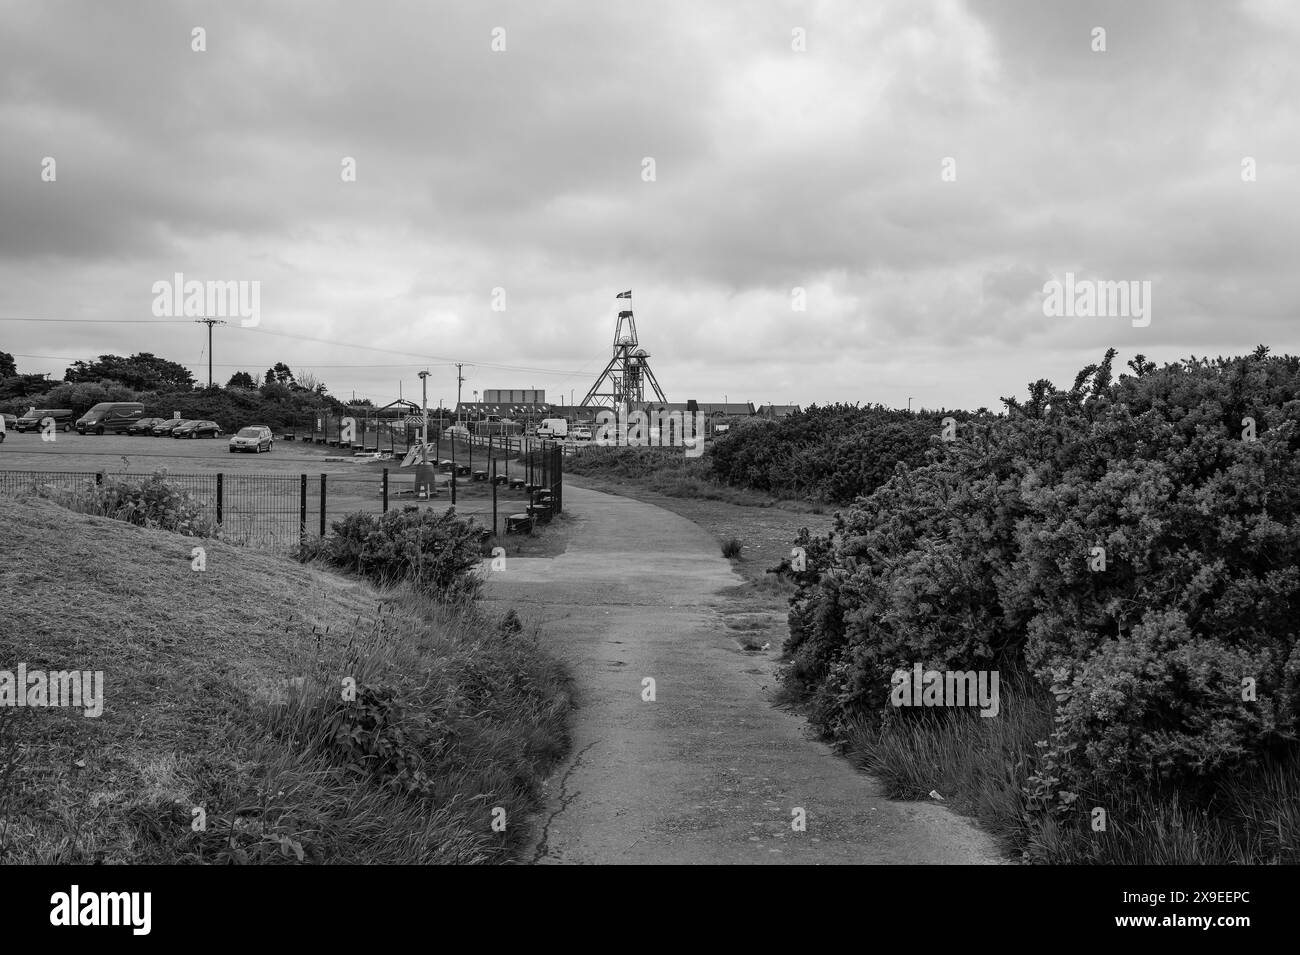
<point x="226" y="734"/>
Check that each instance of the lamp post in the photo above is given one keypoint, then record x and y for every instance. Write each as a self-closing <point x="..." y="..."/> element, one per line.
<point x="424" y="417"/>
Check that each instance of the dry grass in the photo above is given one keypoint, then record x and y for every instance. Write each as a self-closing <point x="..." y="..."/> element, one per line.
<point x="198" y="714"/>
<point x="979" y="766"/>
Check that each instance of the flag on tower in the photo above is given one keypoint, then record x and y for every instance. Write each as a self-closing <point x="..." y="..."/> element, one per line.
<point x="627" y="294"/>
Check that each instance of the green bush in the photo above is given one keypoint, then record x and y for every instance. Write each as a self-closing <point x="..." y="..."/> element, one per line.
<point x="979" y="559"/>
<point x="834" y="453"/>
<point x="152" y="501"/>
<point x="439" y="553"/>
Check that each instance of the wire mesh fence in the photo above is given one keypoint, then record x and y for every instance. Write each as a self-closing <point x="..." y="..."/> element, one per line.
<point x="277" y="511"/>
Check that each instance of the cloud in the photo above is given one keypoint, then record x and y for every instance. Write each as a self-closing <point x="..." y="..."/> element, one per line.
<point x="775" y="169"/>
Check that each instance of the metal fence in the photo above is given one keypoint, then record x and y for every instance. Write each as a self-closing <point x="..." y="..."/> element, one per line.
<point x="278" y="511"/>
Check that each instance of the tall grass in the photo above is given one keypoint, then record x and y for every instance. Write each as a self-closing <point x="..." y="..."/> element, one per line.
<point x="978" y="765"/>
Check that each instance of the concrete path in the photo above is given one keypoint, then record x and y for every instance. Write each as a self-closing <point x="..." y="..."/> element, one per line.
<point x="709" y="772"/>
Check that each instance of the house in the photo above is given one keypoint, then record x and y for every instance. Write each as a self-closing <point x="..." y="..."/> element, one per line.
<point x="777" y="411"/>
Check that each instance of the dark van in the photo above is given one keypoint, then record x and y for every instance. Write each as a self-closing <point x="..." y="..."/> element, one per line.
<point x="114" y="416"/>
<point x="31" y="421"/>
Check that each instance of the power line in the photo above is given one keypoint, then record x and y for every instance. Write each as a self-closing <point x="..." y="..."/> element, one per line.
<point x="97" y="321"/>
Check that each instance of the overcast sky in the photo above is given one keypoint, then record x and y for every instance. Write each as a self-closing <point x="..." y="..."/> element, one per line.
<point x="775" y="168"/>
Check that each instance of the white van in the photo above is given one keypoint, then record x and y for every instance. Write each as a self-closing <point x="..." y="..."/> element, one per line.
<point x="553" y="428"/>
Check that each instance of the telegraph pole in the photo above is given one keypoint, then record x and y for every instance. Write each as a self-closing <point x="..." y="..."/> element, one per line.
<point x="459" y="379"/>
<point x="209" y="322"/>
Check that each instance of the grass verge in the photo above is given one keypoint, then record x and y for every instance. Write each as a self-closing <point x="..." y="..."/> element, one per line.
<point x="226" y="735"/>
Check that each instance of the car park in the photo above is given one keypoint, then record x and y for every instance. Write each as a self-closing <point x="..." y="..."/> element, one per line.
<point x="252" y="438"/>
<point x="197" y="429"/>
<point x="167" y="425"/>
<point x="33" y="420"/>
<point x="113" y="417"/>
<point x="145" y="425"/>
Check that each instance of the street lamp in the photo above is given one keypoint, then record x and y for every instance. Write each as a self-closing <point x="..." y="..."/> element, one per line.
<point x="424" y="416"/>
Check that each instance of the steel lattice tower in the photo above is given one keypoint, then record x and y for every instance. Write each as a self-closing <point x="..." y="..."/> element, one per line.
<point x="622" y="383"/>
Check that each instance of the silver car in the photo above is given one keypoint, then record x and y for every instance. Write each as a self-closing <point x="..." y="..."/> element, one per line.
<point x="252" y="438"/>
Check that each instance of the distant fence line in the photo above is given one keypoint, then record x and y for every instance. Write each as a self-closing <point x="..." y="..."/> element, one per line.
<point x="377" y="436"/>
<point x="278" y="511"/>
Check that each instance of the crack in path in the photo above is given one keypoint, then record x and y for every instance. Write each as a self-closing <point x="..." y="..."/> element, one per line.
<point x="564" y="799"/>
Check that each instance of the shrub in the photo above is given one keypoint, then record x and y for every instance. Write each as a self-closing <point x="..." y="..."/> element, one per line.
<point x="439" y="553"/>
<point x="153" y="501"/>
<point x="834" y="453"/>
<point x="979" y="559"/>
<point x="732" y="547"/>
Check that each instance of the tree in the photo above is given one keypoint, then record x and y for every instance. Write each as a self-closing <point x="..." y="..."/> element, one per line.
<point x="241" y="379"/>
<point x="280" y="375"/>
<point x="8" y="367"/>
<point x="143" y="372"/>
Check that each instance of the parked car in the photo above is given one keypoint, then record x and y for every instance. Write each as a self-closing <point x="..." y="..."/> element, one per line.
<point x="167" y="426"/>
<point x="581" y="433"/>
<point x="31" y="421"/>
<point x="144" y="426"/>
<point x="252" y="439"/>
<point x="114" y="416"/>
<point x="197" y="429"/>
<point x="8" y="422"/>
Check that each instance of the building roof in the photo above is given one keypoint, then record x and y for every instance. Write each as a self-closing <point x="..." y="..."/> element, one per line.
<point x="704" y="407"/>
<point x="778" y="411"/>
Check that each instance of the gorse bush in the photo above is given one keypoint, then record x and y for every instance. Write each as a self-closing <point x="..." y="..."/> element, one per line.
<point x="1175" y="664"/>
<point x="439" y="553"/>
<point x="152" y="501"/>
<point x="833" y="453"/>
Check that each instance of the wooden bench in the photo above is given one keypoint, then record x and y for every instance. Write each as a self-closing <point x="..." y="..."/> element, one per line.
<point x="480" y="475"/>
<point x="501" y="480"/>
<point x="516" y="484"/>
<point x="540" y="512"/>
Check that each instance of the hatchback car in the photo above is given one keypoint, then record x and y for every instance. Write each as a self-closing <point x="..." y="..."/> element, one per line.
<point x="253" y="438"/>
<point x="145" y="425"/>
<point x="168" y="425"/>
<point x="197" y="429"/>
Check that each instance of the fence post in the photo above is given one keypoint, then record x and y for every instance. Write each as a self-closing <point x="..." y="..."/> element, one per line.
<point x="384" y="487"/>
<point x="453" y="469"/>
<point x="302" y="510"/>
<point x="494" y="497"/>
<point x="99" y="477"/>
<point x="219" y="489"/>
<point x="322" y="505"/>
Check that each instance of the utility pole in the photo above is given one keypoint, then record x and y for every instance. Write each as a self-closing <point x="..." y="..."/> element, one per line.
<point x="909" y="404"/>
<point x="459" y="378"/>
<point x="209" y="322"/>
